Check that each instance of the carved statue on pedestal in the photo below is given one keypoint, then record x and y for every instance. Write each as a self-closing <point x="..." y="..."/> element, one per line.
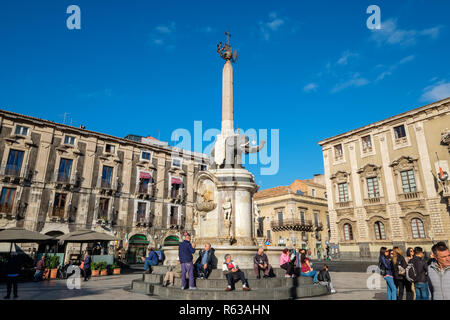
<point x="227" y="210"/>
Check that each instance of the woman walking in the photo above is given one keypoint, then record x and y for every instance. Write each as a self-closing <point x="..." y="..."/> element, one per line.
<point x="385" y="266"/>
<point x="399" y="267"/>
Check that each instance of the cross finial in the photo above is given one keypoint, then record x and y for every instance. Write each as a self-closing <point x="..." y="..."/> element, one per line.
<point x="228" y="34"/>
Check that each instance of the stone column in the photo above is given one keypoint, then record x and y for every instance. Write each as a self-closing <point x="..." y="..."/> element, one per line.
<point x="227" y="100"/>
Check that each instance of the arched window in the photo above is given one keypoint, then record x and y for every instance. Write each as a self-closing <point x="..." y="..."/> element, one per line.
<point x="379" y="231"/>
<point x="348" y="234"/>
<point x="418" y="232"/>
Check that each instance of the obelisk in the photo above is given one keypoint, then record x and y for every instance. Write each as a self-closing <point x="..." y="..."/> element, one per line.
<point x="227" y="100"/>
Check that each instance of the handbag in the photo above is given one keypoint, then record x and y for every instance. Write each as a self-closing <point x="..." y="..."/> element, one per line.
<point x="401" y="270"/>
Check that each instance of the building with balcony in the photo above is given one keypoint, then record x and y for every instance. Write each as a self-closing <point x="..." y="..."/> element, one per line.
<point x="56" y="178"/>
<point x="387" y="183"/>
<point x="295" y="216"/>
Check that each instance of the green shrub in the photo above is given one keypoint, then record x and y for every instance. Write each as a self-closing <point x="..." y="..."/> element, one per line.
<point x="94" y="266"/>
<point x="54" y="262"/>
<point x="102" y="265"/>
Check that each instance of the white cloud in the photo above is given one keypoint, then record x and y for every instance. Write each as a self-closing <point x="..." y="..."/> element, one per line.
<point x="310" y="87"/>
<point x="355" y="81"/>
<point x="437" y="91"/>
<point x="275" y="22"/>
<point x="343" y="60"/>
<point x="390" y="34"/>
<point x="163" y="36"/>
<point x="391" y="69"/>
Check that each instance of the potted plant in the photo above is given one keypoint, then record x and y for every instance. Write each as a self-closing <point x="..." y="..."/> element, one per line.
<point x="95" y="270"/>
<point x="102" y="267"/>
<point x="116" y="269"/>
<point x="47" y="262"/>
<point x="54" y="264"/>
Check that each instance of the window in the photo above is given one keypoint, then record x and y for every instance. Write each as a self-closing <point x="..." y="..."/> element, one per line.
<point x="325" y="195"/>
<point x="69" y="140"/>
<point x="203" y="167"/>
<point x="313" y="192"/>
<point x="14" y="163"/>
<point x="338" y="153"/>
<point x="59" y="205"/>
<point x="348" y="234"/>
<point x="176" y="163"/>
<point x="372" y="187"/>
<point x="103" y="209"/>
<point x="109" y="148"/>
<point x="400" y="132"/>
<point x="177" y="186"/>
<point x="302" y="217"/>
<point x="21" y="130"/>
<point x="145" y="155"/>
<point x="174" y="215"/>
<point x="316" y="219"/>
<point x="300" y="192"/>
<point x="343" y="192"/>
<point x="379" y="231"/>
<point x="142" y="208"/>
<point x="269" y="235"/>
<point x="366" y="143"/>
<point x="280" y="218"/>
<point x="7" y="200"/>
<point x="408" y="181"/>
<point x="106" y="176"/>
<point x="64" y="170"/>
<point x="260" y="230"/>
<point x="417" y="228"/>
<point x="328" y="221"/>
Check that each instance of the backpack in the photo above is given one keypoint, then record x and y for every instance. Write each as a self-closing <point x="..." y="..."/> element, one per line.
<point x="411" y="273"/>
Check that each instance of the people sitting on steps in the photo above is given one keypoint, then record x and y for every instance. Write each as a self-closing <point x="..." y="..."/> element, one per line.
<point x="151" y="260"/>
<point x="233" y="274"/>
<point x="286" y="263"/>
<point x="203" y="264"/>
<point x="325" y="279"/>
<point x="261" y="263"/>
<point x="306" y="270"/>
<point x="172" y="273"/>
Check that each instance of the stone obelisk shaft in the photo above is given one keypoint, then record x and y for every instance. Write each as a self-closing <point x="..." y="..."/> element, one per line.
<point x="227" y="100"/>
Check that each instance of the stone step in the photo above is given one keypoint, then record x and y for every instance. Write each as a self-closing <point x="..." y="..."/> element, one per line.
<point x="253" y="283"/>
<point x="278" y="293"/>
<point x="218" y="273"/>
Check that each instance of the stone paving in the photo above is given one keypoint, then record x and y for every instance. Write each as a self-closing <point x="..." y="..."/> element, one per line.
<point x="349" y="286"/>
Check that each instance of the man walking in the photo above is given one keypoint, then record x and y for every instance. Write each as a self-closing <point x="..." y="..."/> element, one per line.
<point x="185" y="252"/>
<point x="40" y="268"/>
<point x="421" y="269"/>
<point x="12" y="274"/>
<point x="439" y="272"/>
<point x="87" y="266"/>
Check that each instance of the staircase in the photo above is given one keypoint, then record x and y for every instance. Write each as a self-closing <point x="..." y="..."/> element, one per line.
<point x="278" y="288"/>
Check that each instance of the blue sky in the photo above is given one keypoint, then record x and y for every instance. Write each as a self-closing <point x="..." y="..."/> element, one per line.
<point x="311" y="69"/>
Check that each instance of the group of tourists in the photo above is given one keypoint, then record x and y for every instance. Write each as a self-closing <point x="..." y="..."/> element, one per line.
<point x="413" y="273"/>
<point x="296" y="263"/>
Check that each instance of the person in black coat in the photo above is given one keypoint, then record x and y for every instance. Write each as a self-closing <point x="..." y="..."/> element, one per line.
<point x="13" y="268"/>
<point x="325" y="279"/>
<point x="399" y="272"/>
<point x="203" y="264"/>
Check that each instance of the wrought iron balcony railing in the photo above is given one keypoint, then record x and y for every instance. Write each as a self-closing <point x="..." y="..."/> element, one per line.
<point x="292" y="224"/>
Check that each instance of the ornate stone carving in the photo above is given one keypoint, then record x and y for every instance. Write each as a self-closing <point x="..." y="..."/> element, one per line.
<point x="205" y="197"/>
<point x="227" y="211"/>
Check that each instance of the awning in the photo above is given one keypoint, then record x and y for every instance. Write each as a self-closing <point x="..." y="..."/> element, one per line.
<point x="21" y="235"/>
<point x="86" y="236"/>
<point x="145" y="175"/>
<point x="176" y="181"/>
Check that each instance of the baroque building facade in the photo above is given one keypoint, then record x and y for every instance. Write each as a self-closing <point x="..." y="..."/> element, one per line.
<point x="387" y="183"/>
<point x="56" y="178"/>
<point x="295" y="216"/>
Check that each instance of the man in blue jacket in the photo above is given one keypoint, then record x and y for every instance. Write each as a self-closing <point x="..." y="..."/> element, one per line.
<point x="185" y="252"/>
<point x="151" y="260"/>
